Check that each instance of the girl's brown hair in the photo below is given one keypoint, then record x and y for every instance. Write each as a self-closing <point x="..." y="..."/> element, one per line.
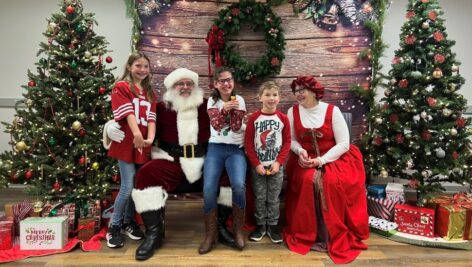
<point x="146" y="83"/>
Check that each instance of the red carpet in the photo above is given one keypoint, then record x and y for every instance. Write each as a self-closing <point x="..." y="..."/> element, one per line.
<point x="16" y="254"/>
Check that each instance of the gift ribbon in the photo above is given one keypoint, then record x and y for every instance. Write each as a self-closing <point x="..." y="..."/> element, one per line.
<point x="21" y="210"/>
<point x="87" y="226"/>
<point x="216" y="41"/>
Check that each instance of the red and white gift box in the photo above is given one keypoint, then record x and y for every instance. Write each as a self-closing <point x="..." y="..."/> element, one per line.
<point x="415" y="220"/>
<point x="395" y="192"/>
<point x="380" y="208"/>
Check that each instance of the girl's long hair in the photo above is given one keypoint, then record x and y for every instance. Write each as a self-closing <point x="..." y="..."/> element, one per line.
<point x="146" y="83"/>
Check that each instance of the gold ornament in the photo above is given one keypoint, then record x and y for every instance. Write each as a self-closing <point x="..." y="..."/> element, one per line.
<point x="437" y="73"/>
<point x="95" y="165"/>
<point x="29" y="102"/>
<point x="383" y="173"/>
<point x="76" y="125"/>
<point x="21" y="146"/>
<point x="38" y="206"/>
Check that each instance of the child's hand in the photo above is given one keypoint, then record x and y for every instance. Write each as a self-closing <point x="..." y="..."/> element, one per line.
<point x="260" y="169"/>
<point x="275" y="167"/>
<point x="138" y="142"/>
<point x="232" y="104"/>
<point x="148" y="142"/>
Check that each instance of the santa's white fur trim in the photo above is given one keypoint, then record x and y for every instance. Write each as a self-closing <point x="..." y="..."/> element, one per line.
<point x="149" y="199"/>
<point x="187" y="126"/>
<point x="226" y="196"/>
<point x="106" y="140"/>
<point x="179" y="74"/>
<point x="157" y="153"/>
<point x="192" y="167"/>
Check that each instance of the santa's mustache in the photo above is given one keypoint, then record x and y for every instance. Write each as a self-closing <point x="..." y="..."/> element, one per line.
<point x="185" y="91"/>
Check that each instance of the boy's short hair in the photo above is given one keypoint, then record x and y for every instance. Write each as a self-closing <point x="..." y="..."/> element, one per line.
<point x="268" y="86"/>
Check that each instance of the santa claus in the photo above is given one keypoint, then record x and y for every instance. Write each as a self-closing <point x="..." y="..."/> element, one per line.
<point x="183" y="130"/>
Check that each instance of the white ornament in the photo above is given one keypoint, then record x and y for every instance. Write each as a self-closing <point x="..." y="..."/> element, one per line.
<point x="440" y="153"/>
<point x="424" y="115"/>
<point x="453" y="131"/>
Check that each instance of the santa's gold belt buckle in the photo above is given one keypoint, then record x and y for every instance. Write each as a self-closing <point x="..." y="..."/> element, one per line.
<point x="185" y="150"/>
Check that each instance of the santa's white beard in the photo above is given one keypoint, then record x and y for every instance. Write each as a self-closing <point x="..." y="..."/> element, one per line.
<point x="180" y="103"/>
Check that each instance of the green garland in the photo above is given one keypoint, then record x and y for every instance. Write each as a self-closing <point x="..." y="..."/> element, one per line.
<point x="260" y="16"/>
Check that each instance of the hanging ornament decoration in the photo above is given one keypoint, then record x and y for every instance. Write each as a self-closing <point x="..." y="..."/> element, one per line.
<point x="116" y="178"/>
<point x="259" y="16"/>
<point x="410" y="14"/>
<point x="383" y="173"/>
<point x="21" y="146"/>
<point x="82" y="132"/>
<point x="416" y="74"/>
<point x="437" y="73"/>
<point x="38" y="206"/>
<point x="82" y="160"/>
<point x="56" y="186"/>
<point x="432" y="102"/>
<point x="438" y="36"/>
<point x="73" y="65"/>
<point x="439" y="58"/>
<point x="28" y="103"/>
<point x="446" y="112"/>
<point x="52" y="141"/>
<point x="70" y="10"/>
<point x="440" y="153"/>
<point x="28" y="174"/>
<point x="108" y="59"/>
<point x="95" y="165"/>
<point x="455" y="155"/>
<point x="102" y="90"/>
<point x="31" y="83"/>
<point x="410" y="39"/>
<point x="377" y="141"/>
<point x="460" y="122"/>
<point x="76" y="125"/>
<point x="453" y="131"/>
<point x="425" y="25"/>
<point x="433" y="15"/>
<point x="426" y="135"/>
<point x="454" y="68"/>
<point x="70" y="93"/>
<point x="403" y="83"/>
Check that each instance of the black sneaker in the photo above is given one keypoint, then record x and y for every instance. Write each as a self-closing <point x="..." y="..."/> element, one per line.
<point x="114" y="238"/>
<point x="258" y="234"/>
<point x="273" y="232"/>
<point x="132" y="230"/>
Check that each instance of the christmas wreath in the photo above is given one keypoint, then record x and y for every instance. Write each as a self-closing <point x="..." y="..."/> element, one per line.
<point x="229" y="21"/>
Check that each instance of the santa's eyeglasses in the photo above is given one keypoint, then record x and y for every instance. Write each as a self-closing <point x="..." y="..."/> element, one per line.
<point x="182" y="84"/>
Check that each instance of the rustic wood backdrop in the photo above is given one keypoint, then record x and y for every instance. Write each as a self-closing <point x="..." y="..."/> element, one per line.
<point x="176" y="38"/>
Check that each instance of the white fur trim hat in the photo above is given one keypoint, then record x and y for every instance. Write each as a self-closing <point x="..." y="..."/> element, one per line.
<point x="179" y="74"/>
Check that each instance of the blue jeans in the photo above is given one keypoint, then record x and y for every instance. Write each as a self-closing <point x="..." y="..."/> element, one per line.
<point x="231" y="158"/>
<point x="123" y="208"/>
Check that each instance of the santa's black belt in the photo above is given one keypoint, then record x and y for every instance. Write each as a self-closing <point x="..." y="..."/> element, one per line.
<point x="186" y="151"/>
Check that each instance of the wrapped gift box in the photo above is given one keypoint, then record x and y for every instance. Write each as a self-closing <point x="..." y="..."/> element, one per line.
<point x="86" y="228"/>
<point x="377" y="191"/>
<point x="450" y="221"/>
<point x="395" y="192"/>
<point x="95" y="212"/>
<point x="18" y="211"/>
<point x="39" y="233"/>
<point x="61" y="209"/>
<point x="7" y="232"/>
<point x="382" y="227"/>
<point x="415" y="220"/>
<point x="381" y="208"/>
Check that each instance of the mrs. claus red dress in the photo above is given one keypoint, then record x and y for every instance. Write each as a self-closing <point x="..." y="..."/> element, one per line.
<point x="343" y="193"/>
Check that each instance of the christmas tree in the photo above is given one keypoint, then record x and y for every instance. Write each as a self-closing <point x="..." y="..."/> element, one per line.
<point x="421" y="133"/>
<point x="57" y="130"/>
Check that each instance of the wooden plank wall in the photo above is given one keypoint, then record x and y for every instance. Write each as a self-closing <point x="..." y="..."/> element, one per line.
<point x="176" y="38"/>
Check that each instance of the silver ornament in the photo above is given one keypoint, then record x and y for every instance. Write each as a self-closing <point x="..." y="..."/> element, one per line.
<point x="424" y="115"/>
<point x="446" y="112"/>
<point x="440" y="153"/>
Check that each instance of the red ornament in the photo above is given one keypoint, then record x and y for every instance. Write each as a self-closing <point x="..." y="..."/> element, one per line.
<point x="385" y="106"/>
<point x="31" y="83"/>
<point x="433" y="15"/>
<point x="70" y="10"/>
<point x="426" y="135"/>
<point x="432" y="102"/>
<point x="410" y="39"/>
<point x="413" y="183"/>
<point x="438" y="36"/>
<point x="102" y="90"/>
<point x="399" y="138"/>
<point x="13" y="177"/>
<point x="393" y="118"/>
<point x="425" y="1"/>
<point x="235" y="11"/>
<point x="396" y="60"/>
<point x="378" y="140"/>
<point x="82" y="132"/>
<point x="274" y="61"/>
<point x="410" y="14"/>
<point x="455" y="155"/>
<point x="438" y="58"/>
<point x="28" y="174"/>
<point x="56" y="186"/>
<point x="108" y="59"/>
<point x="403" y="83"/>
<point x="460" y="122"/>
<point x="116" y="178"/>
<point x="82" y="160"/>
<point x="70" y="93"/>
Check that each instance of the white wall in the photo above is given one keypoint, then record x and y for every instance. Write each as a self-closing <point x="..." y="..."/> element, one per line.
<point x="22" y="23"/>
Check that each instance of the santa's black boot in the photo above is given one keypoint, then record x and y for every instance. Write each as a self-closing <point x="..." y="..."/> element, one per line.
<point x="225" y="237"/>
<point x="153" y="221"/>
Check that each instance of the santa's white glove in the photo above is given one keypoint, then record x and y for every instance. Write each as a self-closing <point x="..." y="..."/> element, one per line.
<point x="112" y="132"/>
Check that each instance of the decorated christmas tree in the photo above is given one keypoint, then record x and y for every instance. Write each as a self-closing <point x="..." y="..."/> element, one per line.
<point x="420" y="133"/>
<point x="56" y="132"/>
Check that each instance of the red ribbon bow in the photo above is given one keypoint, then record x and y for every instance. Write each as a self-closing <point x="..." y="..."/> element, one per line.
<point x="216" y="41"/>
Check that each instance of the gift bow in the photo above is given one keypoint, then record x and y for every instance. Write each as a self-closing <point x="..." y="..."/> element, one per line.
<point x="456" y="202"/>
<point x="216" y="41"/>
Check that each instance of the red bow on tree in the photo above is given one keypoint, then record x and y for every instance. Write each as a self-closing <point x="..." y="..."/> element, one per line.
<point x="216" y="41"/>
